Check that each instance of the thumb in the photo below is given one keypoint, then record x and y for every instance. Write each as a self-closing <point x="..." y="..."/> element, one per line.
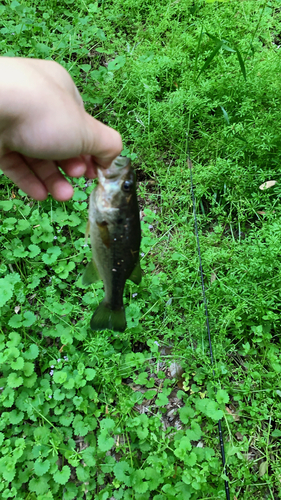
<point x="100" y="141"/>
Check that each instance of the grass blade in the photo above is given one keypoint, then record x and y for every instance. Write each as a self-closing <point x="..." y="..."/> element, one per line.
<point x="197" y="52"/>
<point x="241" y="62"/>
<point x="210" y="58"/>
<point x="225" y="115"/>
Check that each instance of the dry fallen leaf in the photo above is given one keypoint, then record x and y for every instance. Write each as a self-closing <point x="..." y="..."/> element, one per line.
<point x="239" y="436"/>
<point x="263" y="469"/>
<point x="267" y="185"/>
<point x="232" y="413"/>
<point x="213" y="277"/>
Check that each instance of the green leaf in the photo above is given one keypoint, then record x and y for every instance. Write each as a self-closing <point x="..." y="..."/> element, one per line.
<point x="107" y="424"/>
<point x="28" y="368"/>
<point x="222" y="396"/>
<point x="14" y="381"/>
<point x="34" y="251"/>
<point x="6" y="291"/>
<point x="30" y="381"/>
<point x="138" y="483"/>
<point x="51" y="255"/>
<point x="15" y="321"/>
<point x="30" y="318"/>
<point x="86" y="68"/>
<point x="16" y="417"/>
<point x="6" y="205"/>
<point x="66" y="420"/>
<point x="15" y="339"/>
<point x="161" y="400"/>
<point x="79" y="195"/>
<point x="241" y="62"/>
<point x="210" y="58"/>
<point x="117" y="63"/>
<point x="276" y="433"/>
<point x="62" y="476"/>
<point x="2" y="437"/>
<point x="17" y="364"/>
<point x="90" y="373"/>
<point x="39" y="485"/>
<point x="9" y="471"/>
<point x="59" y="395"/>
<point x="41" y="467"/>
<point x="60" y="377"/>
<point x="105" y="442"/>
<point x="225" y="115"/>
<point x="186" y="414"/>
<point x="191" y="459"/>
<point x="89" y="456"/>
<point x="142" y="433"/>
<point x="213" y="412"/>
<point x="32" y="352"/>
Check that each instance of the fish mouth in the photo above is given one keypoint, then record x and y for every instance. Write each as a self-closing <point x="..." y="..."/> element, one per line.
<point x="116" y="168"/>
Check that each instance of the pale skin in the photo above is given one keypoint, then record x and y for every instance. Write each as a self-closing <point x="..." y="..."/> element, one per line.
<point x="43" y="126"/>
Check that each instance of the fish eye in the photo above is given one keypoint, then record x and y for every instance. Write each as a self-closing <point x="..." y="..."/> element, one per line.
<point x="127" y="186"/>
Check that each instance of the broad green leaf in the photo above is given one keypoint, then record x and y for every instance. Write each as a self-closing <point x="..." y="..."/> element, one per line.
<point x="89" y="456"/>
<point x="117" y="63"/>
<point x="6" y="291"/>
<point x="6" y="205"/>
<point x="16" y="417"/>
<point x="90" y="373"/>
<point x="138" y="483"/>
<point x="62" y="476"/>
<point x="41" y="467"/>
<point x="17" y="364"/>
<point x="161" y="400"/>
<point x="222" y="396"/>
<point x="186" y="413"/>
<point x="122" y="471"/>
<point x="15" y="321"/>
<point x="34" y="251"/>
<point x="107" y="424"/>
<point x="14" y="380"/>
<point x="60" y="376"/>
<point x="30" y="318"/>
<point x="79" y="195"/>
<point x="105" y="442"/>
<point x="28" y="368"/>
<point x="39" y="485"/>
<point x="32" y="352"/>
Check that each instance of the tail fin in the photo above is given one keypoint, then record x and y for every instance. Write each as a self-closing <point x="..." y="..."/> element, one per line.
<point x="106" y="319"/>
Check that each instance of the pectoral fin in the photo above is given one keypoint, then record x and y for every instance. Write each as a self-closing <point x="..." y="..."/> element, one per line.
<point x="91" y="274"/>
<point x="136" y="274"/>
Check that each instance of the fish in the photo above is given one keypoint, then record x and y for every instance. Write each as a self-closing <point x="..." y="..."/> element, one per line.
<point x="115" y="234"/>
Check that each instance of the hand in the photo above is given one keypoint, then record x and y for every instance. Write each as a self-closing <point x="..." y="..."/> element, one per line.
<point x="43" y="125"/>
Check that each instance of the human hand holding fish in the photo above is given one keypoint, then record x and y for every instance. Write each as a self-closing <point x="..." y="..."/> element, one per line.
<point x="43" y="125"/>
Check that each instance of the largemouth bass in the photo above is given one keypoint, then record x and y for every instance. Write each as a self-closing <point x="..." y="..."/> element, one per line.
<point x="114" y="227"/>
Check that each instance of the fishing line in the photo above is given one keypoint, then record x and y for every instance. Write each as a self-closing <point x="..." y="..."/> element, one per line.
<point x="189" y="163"/>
